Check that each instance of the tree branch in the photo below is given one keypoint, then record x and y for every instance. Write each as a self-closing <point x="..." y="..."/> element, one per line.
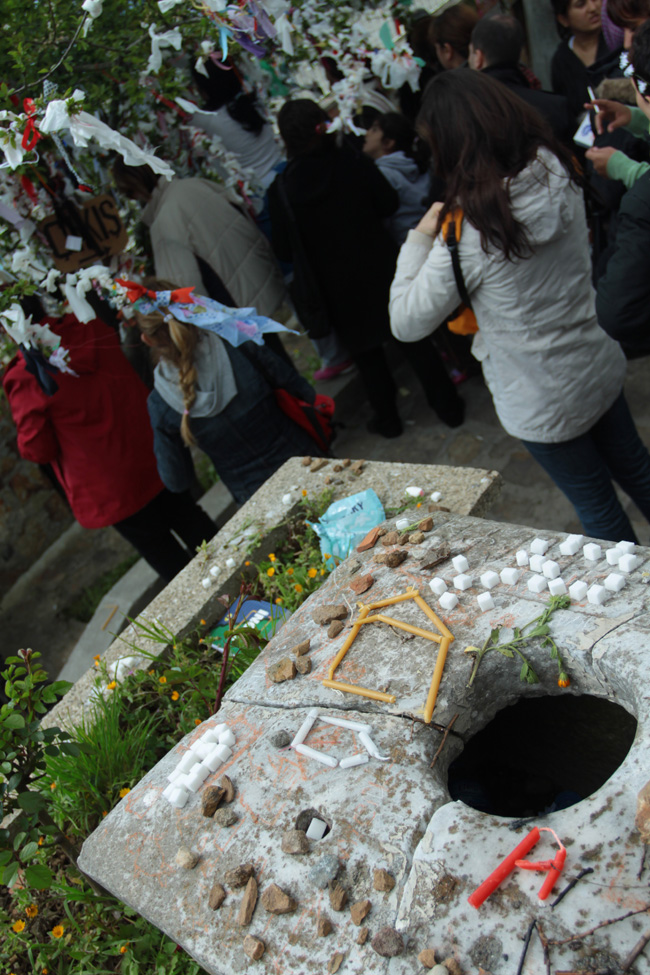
<point x="39" y="81"/>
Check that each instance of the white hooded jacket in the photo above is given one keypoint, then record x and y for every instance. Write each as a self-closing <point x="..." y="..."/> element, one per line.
<point x="551" y="370"/>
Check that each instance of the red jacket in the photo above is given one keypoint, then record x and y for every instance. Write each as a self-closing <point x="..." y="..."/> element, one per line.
<point x="94" y="430"/>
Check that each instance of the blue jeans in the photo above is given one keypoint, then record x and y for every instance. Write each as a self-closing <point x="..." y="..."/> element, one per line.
<point x="584" y="469"/>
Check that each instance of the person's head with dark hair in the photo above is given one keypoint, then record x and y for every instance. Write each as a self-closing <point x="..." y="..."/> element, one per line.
<point x="581" y="17"/>
<point x="481" y="136"/>
<point x="303" y="126"/>
<point x="496" y="40"/>
<point x="450" y="34"/>
<point x="223" y="87"/>
<point x="134" y="182"/>
<point x="640" y="60"/>
<point x="390" y="132"/>
<point x="628" y="14"/>
<point x="418" y="38"/>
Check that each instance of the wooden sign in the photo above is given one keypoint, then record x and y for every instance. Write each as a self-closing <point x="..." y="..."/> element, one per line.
<point x="81" y="236"/>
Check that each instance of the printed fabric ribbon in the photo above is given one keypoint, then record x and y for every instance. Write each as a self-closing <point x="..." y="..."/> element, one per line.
<point x="31" y="135"/>
<point x="136" y="291"/>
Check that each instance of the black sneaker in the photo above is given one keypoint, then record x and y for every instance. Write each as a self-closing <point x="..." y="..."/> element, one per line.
<point x="385" y="428"/>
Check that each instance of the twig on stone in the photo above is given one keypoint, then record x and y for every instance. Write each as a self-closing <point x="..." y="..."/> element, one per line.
<point x="571" y="885"/>
<point x="529" y="934"/>
<point x="636" y="951"/>
<point x="444" y="739"/>
<point x="544" y="941"/>
<point x="642" y="867"/>
<point x="518" y="823"/>
<point x="603" y="924"/>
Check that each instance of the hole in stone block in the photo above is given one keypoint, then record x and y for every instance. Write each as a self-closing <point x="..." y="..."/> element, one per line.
<point x="542" y="754"/>
<point x="304" y="819"/>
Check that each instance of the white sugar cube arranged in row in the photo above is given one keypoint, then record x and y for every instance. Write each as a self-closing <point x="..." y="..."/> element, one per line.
<point x="557" y="587"/>
<point x="448" y="600"/>
<point x="460" y="563"/>
<point x="522" y="557"/>
<point x="227" y="738"/>
<point x="578" y="590"/>
<point x="628" y="562"/>
<point x="177" y="796"/>
<point x="597" y="595"/>
<point x="537" y="583"/>
<point x="489" y="579"/>
<point x="615" y="582"/>
<point x="571" y="544"/>
<point x="463" y="582"/>
<point x="538" y="546"/>
<point x="536" y="563"/>
<point x="510" y="576"/>
<point x="485" y="602"/>
<point x="201" y="748"/>
<point x="613" y="556"/>
<point x="592" y="552"/>
<point x="189" y="759"/>
<point x="625" y="547"/>
<point x="438" y="586"/>
<point x="551" y="569"/>
<point x="196" y="777"/>
<point x="436" y="496"/>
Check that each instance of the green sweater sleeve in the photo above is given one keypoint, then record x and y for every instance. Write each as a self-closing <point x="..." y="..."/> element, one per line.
<point x="638" y="123"/>
<point x="627" y="170"/>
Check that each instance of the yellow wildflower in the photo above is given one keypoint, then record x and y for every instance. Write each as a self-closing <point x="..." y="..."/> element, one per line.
<point x="271" y="557"/>
<point x="105" y="813"/>
<point x="162" y="680"/>
<point x="97" y="658"/>
<point x="152" y="673"/>
<point x="31" y="910"/>
<point x="298" y="587"/>
<point x="175" y="695"/>
<point x="278" y="601"/>
<point x="246" y="563"/>
<point x="18" y="927"/>
<point x="45" y="971"/>
<point x="289" y="572"/>
<point x="111" y="686"/>
<point x="124" y="792"/>
<point x="270" y="572"/>
<point x="57" y="932"/>
<point x="124" y="948"/>
<point x="563" y="680"/>
<point x="322" y="572"/>
<point x="304" y="493"/>
<point x="52" y="786"/>
<point x="197" y="721"/>
<point x="203" y="623"/>
<point x="41" y="840"/>
<point x="419" y="504"/>
<point x="312" y="573"/>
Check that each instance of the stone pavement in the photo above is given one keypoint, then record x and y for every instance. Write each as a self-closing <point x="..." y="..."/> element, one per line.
<point x="397" y="814"/>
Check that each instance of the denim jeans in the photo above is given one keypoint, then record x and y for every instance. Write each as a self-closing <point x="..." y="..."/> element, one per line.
<point x="584" y="469"/>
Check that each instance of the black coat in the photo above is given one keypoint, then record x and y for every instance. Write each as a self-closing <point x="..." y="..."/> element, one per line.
<point x="623" y="295"/>
<point x="554" y="108"/>
<point x="570" y="77"/>
<point x="339" y="199"/>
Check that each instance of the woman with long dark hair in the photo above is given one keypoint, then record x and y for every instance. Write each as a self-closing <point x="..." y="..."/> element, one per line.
<point x="327" y="211"/>
<point x="555" y="377"/>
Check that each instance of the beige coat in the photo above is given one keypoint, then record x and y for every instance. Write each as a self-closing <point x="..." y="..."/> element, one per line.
<point x="192" y="218"/>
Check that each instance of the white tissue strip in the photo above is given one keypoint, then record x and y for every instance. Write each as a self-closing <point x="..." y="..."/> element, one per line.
<point x="361" y="759"/>
<point x="317" y="756"/>
<point x="304" y="728"/>
<point x="344" y="723"/>
<point x="370" y="747"/>
<point x="414" y="492"/>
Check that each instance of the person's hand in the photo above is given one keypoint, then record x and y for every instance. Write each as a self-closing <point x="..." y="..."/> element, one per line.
<point x="612" y="115"/>
<point x="600" y="158"/>
<point x="429" y="223"/>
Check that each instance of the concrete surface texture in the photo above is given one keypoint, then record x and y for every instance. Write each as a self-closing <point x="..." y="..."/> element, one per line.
<point x="253" y="532"/>
<point x="398" y="815"/>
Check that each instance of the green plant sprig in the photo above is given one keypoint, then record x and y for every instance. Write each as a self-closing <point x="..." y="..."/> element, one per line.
<point x="538" y="627"/>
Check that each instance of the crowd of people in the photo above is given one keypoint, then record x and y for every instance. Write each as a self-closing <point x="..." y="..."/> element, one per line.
<point x="474" y="194"/>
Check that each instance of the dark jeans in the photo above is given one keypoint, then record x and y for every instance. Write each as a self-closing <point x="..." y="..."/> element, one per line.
<point x="428" y="366"/>
<point x="150" y="531"/>
<point x="585" y="467"/>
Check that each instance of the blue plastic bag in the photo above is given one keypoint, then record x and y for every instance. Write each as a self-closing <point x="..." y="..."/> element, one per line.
<point x="346" y="523"/>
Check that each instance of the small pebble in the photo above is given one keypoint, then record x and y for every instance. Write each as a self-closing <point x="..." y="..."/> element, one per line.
<point x="186" y="859"/>
<point x="303" y="665"/>
<point x="253" y="947"/>
<point x="281" y="739"/>
<point x="388" y="942"/>
<point x="333" y="630"/>
<point x="225" y="817"/>
<point x="427" y="957"/>
<point x="324" y="871"/>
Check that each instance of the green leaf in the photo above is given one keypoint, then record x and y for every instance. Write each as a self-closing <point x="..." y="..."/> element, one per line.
<point x="523" y="673"/>
<point x="31" y="802"/>
<point x="39" y="876"/>
<point x="13" y="721"/>
<point x="505" y="651"/>
<point x="10" y="873"/>
<point x="19" y="839"/>
<point x="28" y="850"/>
<point x="5" y="857"/>
<point x="542" y="630"/>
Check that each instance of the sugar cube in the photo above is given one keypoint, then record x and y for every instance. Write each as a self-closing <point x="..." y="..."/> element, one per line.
<point x="206" y="582"/>
<point x="592" y="552"/>
<point x="414" y="492"/>
<point x="196" y="777"/>
<point x="200" y="749"/>
<point x="537" y="583"/>
<point x="187" y="761"/>
<point x="509" y="576"/>
<point x="485" y="602"/>
<point x="551" y="569"/>
<point x="436" y="496"/>
<point x="597" y="595"/>
<point x="578" y="590"/>
<point x="625" y="547"/>
<point x="215" y="570"/>
<point x="463" y="582"/>
<point x="402" y="523"/>
<point x="571" y="544"/>
<point x="316" y="829"/>
<point x="489" y="579"/>
<point x="628" y="562"/>
<point x="614" y="582"/>
<point x="538" y="546"/>
<point x="227" y="738"/>
<point x="613" y="555"/>
<point x="178" y="798"/>
<point x="460" y="563"/>
<point x="522" y="557"/>
<point x="213" y="760"/>
<point x="536" y="563"/>
<point x="556" y="587"/>
<point x="438" y="586"/>
<point x="448" y="600"/>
